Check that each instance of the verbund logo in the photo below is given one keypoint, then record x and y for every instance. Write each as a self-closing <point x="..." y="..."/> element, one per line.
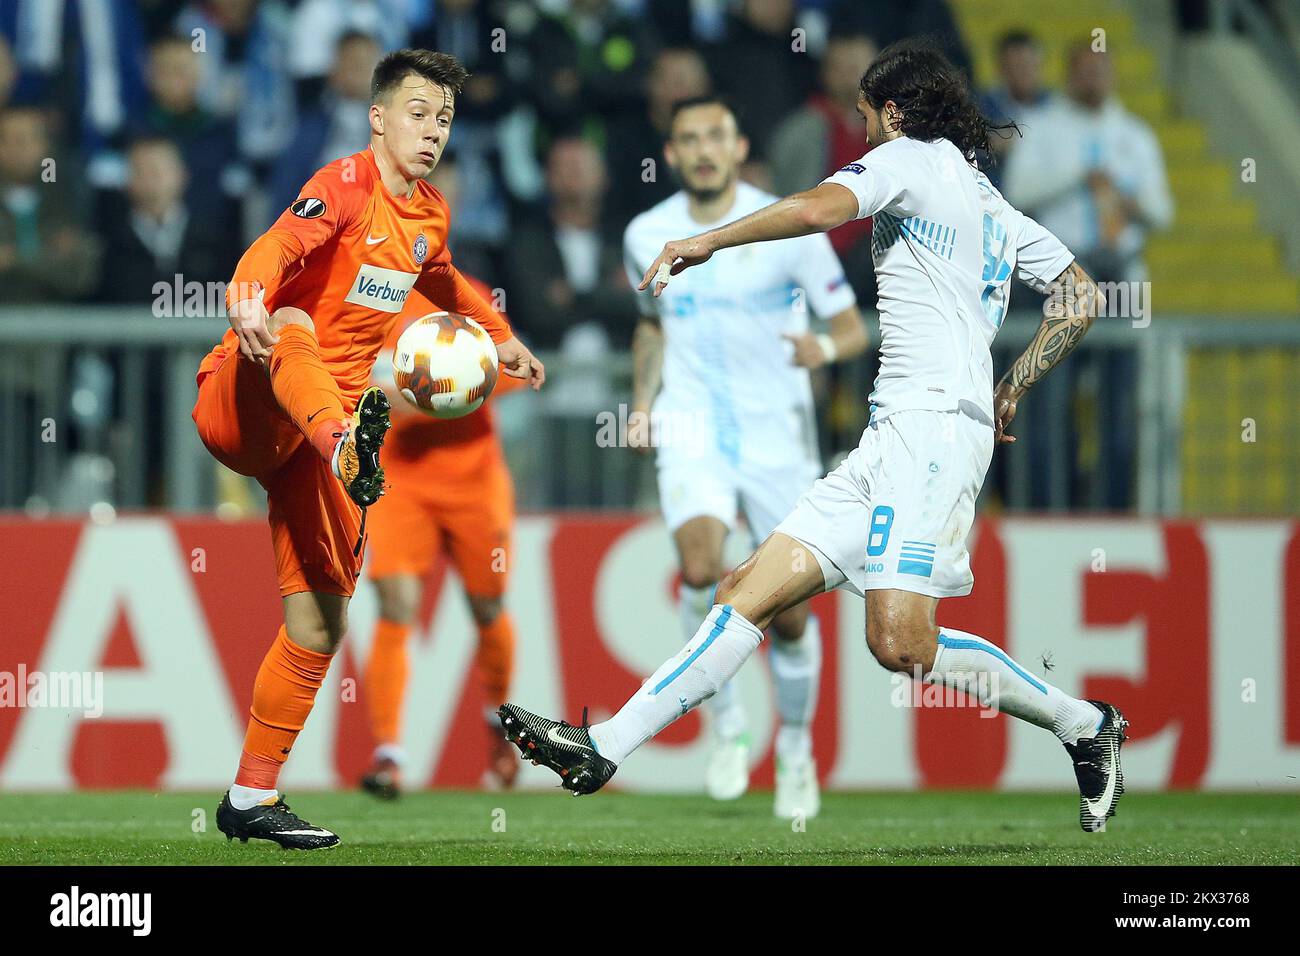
<point x="382" y="289"/>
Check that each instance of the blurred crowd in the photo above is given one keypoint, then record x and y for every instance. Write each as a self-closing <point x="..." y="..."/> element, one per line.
<point x="142" y="139"/>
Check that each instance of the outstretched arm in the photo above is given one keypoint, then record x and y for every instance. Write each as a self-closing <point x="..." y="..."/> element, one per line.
<point x="814" y="210"/>
<point x="1074" y="301"/>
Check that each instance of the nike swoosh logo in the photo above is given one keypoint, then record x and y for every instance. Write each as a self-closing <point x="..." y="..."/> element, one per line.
<point x="309" y="418"/>
<point x="1099" y="807"/>
<point x="556" y="738"/>
<point x="370" y="241"/>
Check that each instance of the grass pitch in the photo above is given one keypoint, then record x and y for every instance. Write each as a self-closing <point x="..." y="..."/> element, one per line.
<point x="457" y="828"/>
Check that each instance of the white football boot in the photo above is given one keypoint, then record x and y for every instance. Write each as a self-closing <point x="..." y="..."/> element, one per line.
<point x="727" y="777"/>
<point x="797" y="792"/>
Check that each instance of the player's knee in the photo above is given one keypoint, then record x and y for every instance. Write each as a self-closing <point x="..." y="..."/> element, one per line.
<point x="898" y="640"/>
<point x="398" y="598"/>
<point x="396" y="609"/>
<point x="288" y="315"/>
<point x="892" y="650"/>
<point x="323" y="636"/>
<point x="701" y="572"/>
<point x="485" y="610"/>
<point x="336" y="625"/>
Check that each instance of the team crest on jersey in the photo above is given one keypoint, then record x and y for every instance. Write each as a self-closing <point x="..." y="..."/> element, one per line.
<point x="308" y="208"/>
<point x="853" y="168"/>
<point x="420" y="249"/>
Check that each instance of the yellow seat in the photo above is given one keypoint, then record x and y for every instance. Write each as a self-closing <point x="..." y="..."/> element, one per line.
<point x="1213" y="261"/>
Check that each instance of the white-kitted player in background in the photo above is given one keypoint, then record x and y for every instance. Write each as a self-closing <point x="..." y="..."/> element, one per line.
<point x="720" y="367"/>
<point x="891" y="522"/>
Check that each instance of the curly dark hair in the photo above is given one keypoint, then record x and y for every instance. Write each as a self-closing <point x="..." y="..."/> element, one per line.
<point x="932" y="95"/>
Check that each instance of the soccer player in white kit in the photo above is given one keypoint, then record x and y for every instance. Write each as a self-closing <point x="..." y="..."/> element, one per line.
<point x="732" y="426"/>
<point x="891" y="522"/>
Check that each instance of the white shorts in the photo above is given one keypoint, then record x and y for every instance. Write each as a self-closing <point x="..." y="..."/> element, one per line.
<point x="697" y="485"/>
<point x="896" y="513"/>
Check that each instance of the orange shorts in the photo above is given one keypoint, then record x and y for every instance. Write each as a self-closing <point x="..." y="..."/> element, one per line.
<point x="423" y="514"/>
<point x="314" y="524"/>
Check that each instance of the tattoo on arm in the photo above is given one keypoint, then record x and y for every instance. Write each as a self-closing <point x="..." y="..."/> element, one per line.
<point x="1074" y="301"/>
<point x="647" y="362"/>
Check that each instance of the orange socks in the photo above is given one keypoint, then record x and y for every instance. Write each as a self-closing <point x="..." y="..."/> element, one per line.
<point x="389" y="666"/>
<point x="283" y="695"/>
<point x="306" y="390"/>
<point x="385" y="681"/>
<point x="496" y="658"/>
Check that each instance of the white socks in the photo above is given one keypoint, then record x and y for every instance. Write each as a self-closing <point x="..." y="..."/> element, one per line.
<point x="725" y="710"/>
<point x="971" y="663"/>
<point x="711" y="658"/>
<point x="726" y="640"/>
<point x="796" y="672"/>
<point x="245" y="798"/>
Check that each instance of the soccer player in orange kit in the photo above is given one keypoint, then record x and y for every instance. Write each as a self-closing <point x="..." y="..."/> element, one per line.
<point x="453" y="492"/>
<point x="284" y="397"/>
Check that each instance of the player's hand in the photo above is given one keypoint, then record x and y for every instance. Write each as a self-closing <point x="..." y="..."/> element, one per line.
<point x="521" y="363"/>
<point x="808" y="351"/>
<point x="1005" y="397"/>
<point x="676" y="256"/>
<point x="249" y="319"/>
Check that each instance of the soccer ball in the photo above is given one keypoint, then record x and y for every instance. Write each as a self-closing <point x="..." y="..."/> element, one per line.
<point x="445" y="365"/>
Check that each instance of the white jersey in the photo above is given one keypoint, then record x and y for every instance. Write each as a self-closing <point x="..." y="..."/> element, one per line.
<point x="945" y="244"/>
<point x="725" y="360"/>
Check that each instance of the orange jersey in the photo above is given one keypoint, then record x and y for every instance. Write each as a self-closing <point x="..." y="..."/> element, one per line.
<point x="454" y="451"/>
<point x="349" y="253"/>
